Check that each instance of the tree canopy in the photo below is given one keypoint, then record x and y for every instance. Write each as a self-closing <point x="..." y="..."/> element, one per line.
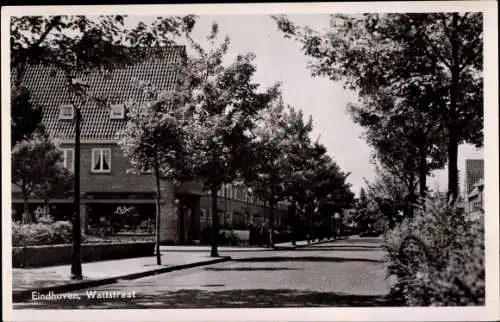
<point x="407" y="55"/>
<point x="37" y="168"/>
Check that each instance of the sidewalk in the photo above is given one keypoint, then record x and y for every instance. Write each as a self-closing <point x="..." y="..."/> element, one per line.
<point x="301" y="243"/>
<point x="57" y="278"/>
<point x="206" y="248"/>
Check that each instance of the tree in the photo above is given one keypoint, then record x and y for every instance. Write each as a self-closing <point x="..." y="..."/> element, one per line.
<point x="270" y="147"/>
<point x="75" y="46"/>
<point x="328" y="183"/>
<point x="315" y="160"/>
<point x="57" y="181"/>
<point x="26" y="117"/>
<point x="390" y="194"/>
<point x="154" y="139"/>
<point x="403" y="137"/>
<point x="440" y="52"/>
<point x="83" y="43"/>
<point x="222" y="106"/>
<point x="37" y="167"/>
<point x="298" y="135"/>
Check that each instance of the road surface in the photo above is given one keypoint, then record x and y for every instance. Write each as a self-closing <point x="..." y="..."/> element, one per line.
<point x="342" y="273"/>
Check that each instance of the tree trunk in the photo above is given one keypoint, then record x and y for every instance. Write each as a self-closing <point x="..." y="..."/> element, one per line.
<point x="182" y="218"/>
<point x="454" y="92"/>
<point x="26" y="213"/>
<point x="422" y="180"/>
<point x="46" y="207"/>
<point x="452" y="169"/>
<point x="294" y="225"/>
<point x="311" y="224"/>
<point x="215" y="221"/>
<point x="158" y="211"/>
<point x="271" y="224"/>
<point x="411" y="195"/>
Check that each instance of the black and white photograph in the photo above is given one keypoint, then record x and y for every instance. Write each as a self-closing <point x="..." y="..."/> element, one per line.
<point x="276" y="159"/>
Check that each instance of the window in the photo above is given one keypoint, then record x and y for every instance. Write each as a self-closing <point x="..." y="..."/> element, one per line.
<point x="101" y="160"/>
<point x="68" y="158"/>
<point x="221" y="217"/>
<point x="228" y="220"/>
<point x="204" y="219"/>
<point x="117" y="111"/>
<point x="477" y="206"/>
<point x="66" y="112"/>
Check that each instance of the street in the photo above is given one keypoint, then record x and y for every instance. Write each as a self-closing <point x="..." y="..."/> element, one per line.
<point x="347" y="272"/>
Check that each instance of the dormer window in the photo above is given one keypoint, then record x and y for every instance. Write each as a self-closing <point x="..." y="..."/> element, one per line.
<point x="117" y="111"/>
<point x="66" y="112"/>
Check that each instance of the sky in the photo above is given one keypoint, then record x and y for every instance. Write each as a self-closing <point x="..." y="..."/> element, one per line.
<point x="280" y="59"/>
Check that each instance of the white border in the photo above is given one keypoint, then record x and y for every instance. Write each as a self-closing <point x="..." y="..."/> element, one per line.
<point x="490" y="312"/>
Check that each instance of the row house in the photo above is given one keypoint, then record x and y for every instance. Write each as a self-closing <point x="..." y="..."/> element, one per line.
<point x="105" y="180"/>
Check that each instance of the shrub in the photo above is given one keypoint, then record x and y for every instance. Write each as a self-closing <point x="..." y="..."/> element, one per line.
<point x="226" y="237"/>
<point x="438" y="257"/>
<point x="59" y="232"/>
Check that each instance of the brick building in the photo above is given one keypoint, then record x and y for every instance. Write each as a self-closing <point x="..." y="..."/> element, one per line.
<point x="105" y="180"/>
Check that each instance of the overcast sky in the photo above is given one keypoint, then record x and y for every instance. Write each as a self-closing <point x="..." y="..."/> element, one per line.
<point x="280" y="59"/>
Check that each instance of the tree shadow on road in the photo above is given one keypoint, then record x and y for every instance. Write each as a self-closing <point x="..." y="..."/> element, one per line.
<point x="339" y="249"/>
<point x="305" y="259"/>
<point x="336" y="246"/>
<point x="368" y="240"/>
<point x="220" y="269"/>
<point x="245" y="298"/>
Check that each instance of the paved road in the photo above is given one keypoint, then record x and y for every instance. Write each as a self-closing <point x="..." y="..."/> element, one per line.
<point x="342" y="273"/>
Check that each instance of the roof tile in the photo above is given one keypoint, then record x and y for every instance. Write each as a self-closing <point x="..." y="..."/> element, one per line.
<point x="49" y="91"/>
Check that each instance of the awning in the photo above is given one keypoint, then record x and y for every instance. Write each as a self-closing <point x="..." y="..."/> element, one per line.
<point x="193" y="188"/>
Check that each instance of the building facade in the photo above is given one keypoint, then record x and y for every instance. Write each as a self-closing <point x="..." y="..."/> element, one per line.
<point x="474" y="169"/>
<point x="106" y="182"/>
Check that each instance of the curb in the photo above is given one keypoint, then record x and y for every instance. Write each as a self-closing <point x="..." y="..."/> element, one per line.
<point x="24" y="295"/>
<point x="291" y="247"/>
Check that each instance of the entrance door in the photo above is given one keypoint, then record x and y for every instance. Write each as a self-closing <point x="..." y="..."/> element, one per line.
<point x="189" y="219"/>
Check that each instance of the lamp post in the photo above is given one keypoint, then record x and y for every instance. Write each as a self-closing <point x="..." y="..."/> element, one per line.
<point x="76" y="263"/>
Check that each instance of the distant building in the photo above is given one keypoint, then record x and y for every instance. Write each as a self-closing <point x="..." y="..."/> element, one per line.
<point x="476" y="200"/>
<point x="474" y="170"/>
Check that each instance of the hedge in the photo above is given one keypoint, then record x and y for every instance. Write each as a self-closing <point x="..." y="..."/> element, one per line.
<point x="438" y="257"/>
<point x="49" y="255"/>
<point x="59" y="232"/>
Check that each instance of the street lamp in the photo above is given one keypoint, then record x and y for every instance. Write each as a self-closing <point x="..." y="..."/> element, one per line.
<point x="76" y="264"/>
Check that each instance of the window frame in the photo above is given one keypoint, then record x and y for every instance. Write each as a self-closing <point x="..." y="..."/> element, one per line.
<point x="101" y="156"/>
<point x="122" y="112"/>
<point x="61" y="114"/>
<point x="65" y="158"/>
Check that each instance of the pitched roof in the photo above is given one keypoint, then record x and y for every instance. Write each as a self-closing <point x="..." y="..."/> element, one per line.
<point x="48" y="90"/>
